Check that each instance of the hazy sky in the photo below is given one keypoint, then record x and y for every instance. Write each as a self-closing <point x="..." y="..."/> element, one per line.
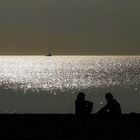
<point x="70" y="26"/>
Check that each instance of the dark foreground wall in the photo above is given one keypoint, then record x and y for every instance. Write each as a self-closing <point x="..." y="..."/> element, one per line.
<point x="69" y="127"/>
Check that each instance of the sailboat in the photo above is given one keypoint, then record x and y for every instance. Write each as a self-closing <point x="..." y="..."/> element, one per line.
<point x="49" y="52"/>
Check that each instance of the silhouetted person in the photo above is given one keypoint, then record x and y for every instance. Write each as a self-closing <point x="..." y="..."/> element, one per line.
<point x="82" y="106"/>
<point x="112" y="107"/>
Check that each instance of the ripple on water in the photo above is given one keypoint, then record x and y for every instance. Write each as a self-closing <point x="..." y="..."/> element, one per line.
<point x="68" y="72"/>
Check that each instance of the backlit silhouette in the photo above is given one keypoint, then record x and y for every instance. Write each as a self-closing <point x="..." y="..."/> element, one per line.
<point x="112" y="107"/>
<point x="83" y="106"/>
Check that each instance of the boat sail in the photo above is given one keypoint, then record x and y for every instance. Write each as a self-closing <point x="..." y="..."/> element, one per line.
<point x="49" y="52"/>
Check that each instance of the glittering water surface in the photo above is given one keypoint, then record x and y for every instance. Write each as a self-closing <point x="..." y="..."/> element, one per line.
<point x="69" y="74"/>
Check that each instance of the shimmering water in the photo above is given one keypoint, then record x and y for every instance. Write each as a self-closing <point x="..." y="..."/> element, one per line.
<point x="50" y="84"/>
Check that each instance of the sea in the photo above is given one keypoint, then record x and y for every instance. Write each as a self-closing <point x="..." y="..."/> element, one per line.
<point x="50" y="84"/>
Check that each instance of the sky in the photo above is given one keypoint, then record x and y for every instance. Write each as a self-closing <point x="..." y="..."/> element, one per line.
<point x="77" y="27"/>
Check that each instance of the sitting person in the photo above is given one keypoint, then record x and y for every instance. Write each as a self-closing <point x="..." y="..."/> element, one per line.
<point x="83" y="106"/>
<point x="112" y="107"/>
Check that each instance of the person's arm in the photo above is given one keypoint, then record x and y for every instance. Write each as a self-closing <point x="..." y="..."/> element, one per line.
<point x="88" y="103"/>
<point x="89" y="106"/>
<point x="104" y="109"/>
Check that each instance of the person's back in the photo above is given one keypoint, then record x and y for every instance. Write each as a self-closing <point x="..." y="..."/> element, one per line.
<point x="80" y="107"/>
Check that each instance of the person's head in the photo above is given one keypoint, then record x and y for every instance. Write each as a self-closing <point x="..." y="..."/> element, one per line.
<point x="81" y="96"/>
<point x="109" y="96"/>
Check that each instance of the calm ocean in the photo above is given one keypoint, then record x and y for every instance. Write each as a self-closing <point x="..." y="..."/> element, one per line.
<point x="50" y="84"/>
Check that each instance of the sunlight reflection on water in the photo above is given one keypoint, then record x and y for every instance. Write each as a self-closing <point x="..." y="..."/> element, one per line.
<point x="68" y="72"/>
